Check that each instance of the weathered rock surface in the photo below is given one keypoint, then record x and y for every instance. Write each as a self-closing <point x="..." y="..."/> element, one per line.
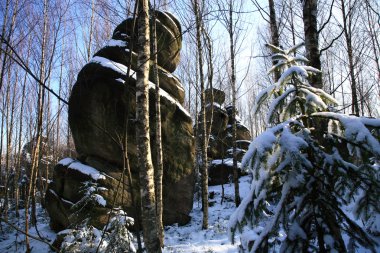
<point x="101" y="104"/>
<point x="169" y="39"/>
<point x="220" y="145"/>
<point x="221" y="171"/>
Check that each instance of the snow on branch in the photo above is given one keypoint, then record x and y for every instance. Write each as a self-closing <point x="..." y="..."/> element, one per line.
<point x="355" y="129"/>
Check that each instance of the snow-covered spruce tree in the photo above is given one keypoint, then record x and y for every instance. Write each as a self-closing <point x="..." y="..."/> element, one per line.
<point x="114" y="237"/>
<point x="315" y="175"/>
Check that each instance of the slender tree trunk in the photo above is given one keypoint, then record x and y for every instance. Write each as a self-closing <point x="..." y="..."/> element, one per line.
<point x="310" y="11"/>
<point x="210" y="77"/>
<point x="18" y="167"/>
<point x="126" y="165"/>
<point x="347" y="34"/>
<point x="204" y="172"/>
<point x="5" y="172"/>
<point x="274" y="33"/>
<point x="10" y="127"/>
<point x="233" y="86"/>
<point x="292" y="24"/>
<point x="36" y="152"/>
<point x="9" y="124"/>
<point x="3" y="30"/>
<point x="58" y="128"/>
<point x="374" y="41"/>
<point x="1" y="141"/>
<point x="91" y="30"/>
<point x="146" y="171"/>
<point x="158" y="173"/>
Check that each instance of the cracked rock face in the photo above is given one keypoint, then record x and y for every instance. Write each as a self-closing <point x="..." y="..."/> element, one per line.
<point x="102" y="108"/>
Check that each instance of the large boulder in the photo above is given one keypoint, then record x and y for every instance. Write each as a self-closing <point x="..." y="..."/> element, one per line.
<point x="215" y="96"/>
<point x="102" y="109"/>
<point x="220" y="142"/>
<point x="169" y="38"/>
<point x="220" y="171"/>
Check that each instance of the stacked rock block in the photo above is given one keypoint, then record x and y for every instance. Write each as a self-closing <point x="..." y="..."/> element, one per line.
<point x="102" y="108"/>
<point x="220" y="146"/>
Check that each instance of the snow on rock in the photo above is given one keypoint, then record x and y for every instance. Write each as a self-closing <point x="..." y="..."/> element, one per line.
<point x="87" y="170"/>
<point x="120" y="80"/>
<point x="227" y="161"/>
<point x="166" y="95"/>
<point x="100" y="200"/>
<point x="116" y="43"/>
<point x="66" y="161"/>
<point x="107" y="63"/>
<point x="122" y="69"/>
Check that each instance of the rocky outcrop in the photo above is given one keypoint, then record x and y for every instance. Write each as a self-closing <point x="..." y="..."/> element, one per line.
<point x="220" y="146"/>
<point x="102" y="108"/>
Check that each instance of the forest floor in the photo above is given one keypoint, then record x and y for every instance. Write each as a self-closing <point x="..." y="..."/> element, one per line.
<point x="189" y="238"/>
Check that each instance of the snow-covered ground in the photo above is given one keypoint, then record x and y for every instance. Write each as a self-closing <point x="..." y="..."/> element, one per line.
<point x="189" y="238"/>
<point x="13" y="241"/>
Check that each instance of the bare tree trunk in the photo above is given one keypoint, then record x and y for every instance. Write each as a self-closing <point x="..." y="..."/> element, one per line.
<point x="374" y="41"/>
<point x="204" y="172"/>
<point x="3" y="30"/>
<point x="274" y="33"/>
<point x="91" y="30"/>
<point x="10" y="127"/>
<point x="347" y="34"/>
<point x="9" y="109"/>
<point x="146" y="171"/>
<point x="310" y="11"/>
<point x="5" y="172"/>
<point x="18" y="167"/>
<point x="36" y="151"/>
<point x="58" y="128"/>
<point x="233" y="86"/>
<point x="210" y="77"/>
<point x="158" y="141"/>
<point x="1" y="142"/>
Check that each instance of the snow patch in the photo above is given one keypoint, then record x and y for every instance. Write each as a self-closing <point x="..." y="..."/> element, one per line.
<point x="66" y="161"/>
<point x="87" y="170"/>
<point x="117" y="43"/>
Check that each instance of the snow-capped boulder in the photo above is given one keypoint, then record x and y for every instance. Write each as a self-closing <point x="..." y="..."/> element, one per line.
<point x="103" y="99"/>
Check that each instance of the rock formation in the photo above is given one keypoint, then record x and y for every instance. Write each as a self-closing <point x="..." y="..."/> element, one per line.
<point x="102" y="102"/>
<point x="220" y="144"/>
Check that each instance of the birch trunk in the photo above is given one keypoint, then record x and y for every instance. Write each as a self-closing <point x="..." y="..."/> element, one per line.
<point x="204" y="172"/>
<point x="36" y="151"/>
<point x="158" y="141"/>
<point x="146" y="171"/>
